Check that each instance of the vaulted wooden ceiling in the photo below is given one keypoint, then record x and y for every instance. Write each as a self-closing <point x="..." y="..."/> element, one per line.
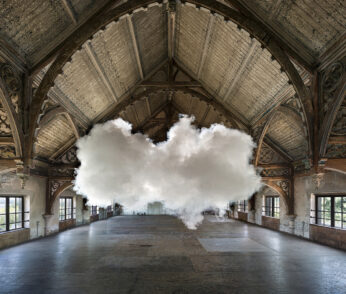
<point x="233" y="78"/>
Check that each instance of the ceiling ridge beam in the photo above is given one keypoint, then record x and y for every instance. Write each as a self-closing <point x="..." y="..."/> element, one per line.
<point x="250" y="55"/>
<point x="171" y="10"/>
<point x="239" y="118"/>
<point x="128" y="94"/>
<point x="69" y="9"/>
<point x="135" y="46"/>
<point x="100" y="70"/>
<point x="206" y="44"/>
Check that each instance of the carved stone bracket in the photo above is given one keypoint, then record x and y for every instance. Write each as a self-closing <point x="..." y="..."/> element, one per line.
<point x="69" y="157"/>
<point x="332" y="106"/>
<point x="285" y="189"/>
<point x="13" y="84"/>
<point x="55" y="187"/>
<point x="10" y="110"/>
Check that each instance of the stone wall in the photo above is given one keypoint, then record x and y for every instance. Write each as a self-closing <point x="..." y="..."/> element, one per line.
<point x="38" y="224"/>
<point x="299" y="224"/>
<point x="329" y="236"/>
<point x="34" y="193"/>
<point x="14" y="237"/>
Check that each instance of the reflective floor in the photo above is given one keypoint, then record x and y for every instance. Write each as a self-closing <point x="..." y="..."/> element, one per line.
<point x="157" y="254"/>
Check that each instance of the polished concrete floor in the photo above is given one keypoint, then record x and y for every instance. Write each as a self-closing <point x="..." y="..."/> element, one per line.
<point x="157" y="254"/>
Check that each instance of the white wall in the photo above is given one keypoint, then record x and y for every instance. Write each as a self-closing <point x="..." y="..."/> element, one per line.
<point x="304" y="187"/>
<point x="34" y="193"/>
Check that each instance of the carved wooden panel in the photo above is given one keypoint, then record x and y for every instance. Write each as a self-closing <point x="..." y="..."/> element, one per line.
<point x="268" y="155"/>
<point x="5" y="129"/>
<point x="331" y="78"/>
<point x="69" y="157"/>
<point x="7" y="152"/>
<point x="12" y="83"/>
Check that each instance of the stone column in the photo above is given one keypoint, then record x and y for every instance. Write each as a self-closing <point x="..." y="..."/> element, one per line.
<point x="47" y="218"/>
<point x="291" y="223"/>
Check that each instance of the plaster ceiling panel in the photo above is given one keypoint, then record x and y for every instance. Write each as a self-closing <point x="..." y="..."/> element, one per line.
<point x="259" y="86"/>
<point x="191" y="31"/>
<point x="269" y="156"/>
<point x="82" y="8"/>
<point x="285" y="130"/>
<point x="81" y="84"/>
<point x="312" y="24"/>
<point x="153" y="130"/>
<point x="114" y="51"/>
<point x="212" y="117"/>
<point x="131" y="116"/>
<point x="227" y="49"/>
<point x="34" y="26"/>
<point x="198" y="110"/>
<point x="150" y="29"/>
<point x="316" y="24"/>
<point x="183" y="101"/>
<point x="141" y="109"/>
<point x="53" y="136"/>
<point x="156" y="99"/>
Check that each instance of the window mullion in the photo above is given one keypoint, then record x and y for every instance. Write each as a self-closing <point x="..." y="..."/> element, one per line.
<point x="332" y="212"/>
<point x="7" y="209"/>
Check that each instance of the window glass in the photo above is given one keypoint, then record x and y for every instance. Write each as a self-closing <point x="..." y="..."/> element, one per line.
<point x="2" y="214"/>
<point x="272" y="206"/>
<point x="331" y="211"/>
<point x="66" y="208"/>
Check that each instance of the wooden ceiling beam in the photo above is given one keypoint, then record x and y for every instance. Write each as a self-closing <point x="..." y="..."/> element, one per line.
<point x="63" y="148"/>
<point x="135" y="46"/>
<point x="171" y="10"/>
<point x="206" y="44"/>
<point x="148" y="105"/>
<point x="278" y="149"/>
<point x="244" y="64"/>
<point x="100" y="71"/>
<point x="149" y="118"/>
<point x="69" y="9"/>
<point x="170" y="84"/>
<point x="241" y="121"/>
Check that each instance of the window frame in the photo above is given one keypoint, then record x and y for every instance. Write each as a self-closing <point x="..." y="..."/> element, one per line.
<point x="94" y="210"/>
<point x="8" y="213"/>
<point x="243" y="206"/>
<point x="72" y="214"/>
<point x="272" y="208"/>
<point x="332" y="211"/>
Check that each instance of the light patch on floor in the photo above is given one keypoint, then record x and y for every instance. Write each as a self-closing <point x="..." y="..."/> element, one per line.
<point x="215" y="219"/>
<point x="232" y="245"/>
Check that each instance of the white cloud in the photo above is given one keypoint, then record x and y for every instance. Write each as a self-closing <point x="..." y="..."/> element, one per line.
<point x="192" y="171"/>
